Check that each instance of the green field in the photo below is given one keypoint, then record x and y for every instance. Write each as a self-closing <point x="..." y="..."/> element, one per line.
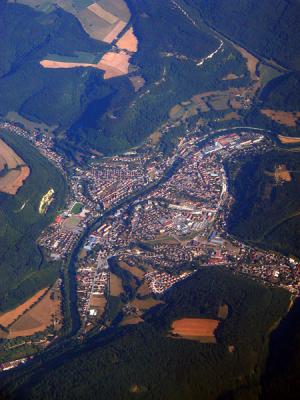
<point x="23" y="270"/>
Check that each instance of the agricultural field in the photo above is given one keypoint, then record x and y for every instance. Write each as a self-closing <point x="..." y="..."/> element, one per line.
<point x="135" y="271"/>
<point x="113" y="64"/>
<point x="45" y="313"/>
<point x="102" y="20"/>
<point x="13" y="170"/>
<point x="286" y="118"/>
<point x="9" y="317"/>
<point x="288" y="140"/>
<point x="116" y="287"/>
<point x="201" y="329"/>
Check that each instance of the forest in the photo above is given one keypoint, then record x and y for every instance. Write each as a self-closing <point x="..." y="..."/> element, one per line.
<point x="143" y="360"/>
<point x="23" y="268"/>
<point x="265" y="211"/>
<point x="270" y="29"/>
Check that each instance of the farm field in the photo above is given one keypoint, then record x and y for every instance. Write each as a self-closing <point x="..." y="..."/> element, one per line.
<point x="201" y="329"/>
<point x="45" y="313"/>
<point x="286" y="118"/>
<point x="13" y="170"/>
<point x="146" y="304"/>
<point x="288" y="140"/>
<point x="102" y="20"/>
<point x="9" y="317"/>
<point x="113" y="64"/>
<point x="138" y="273"/>
<point x="116" y="287"/>
<point x="128" y="41"/>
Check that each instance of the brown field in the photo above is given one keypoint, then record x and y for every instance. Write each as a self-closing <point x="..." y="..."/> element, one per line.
<point x="138" y="273"/>
<point x="231" y="115"/>
<point x="282" y="174"/>
<point x="288" y="140"/>
<point x="113" y="64"/>
<point x="110" y="37"/>
<point x="146" y="304"/>
<point x="116" y="287"/>
<point x="283" y="117"/>
<point x="45" y="313"/>
<point x="102" y="13"/>
<point x="128" y="41"/>
<point x="13" y="180"/>
<point x="155" y="137"/>
<point x="131" y="320"/>
<point x="223" y="311"/>
<point x="9" y="317"/>
<point x="174" y="111"/>
<point x="9" y="157"/>
<point x="195" y="328"/>
<point x="144" y="290"/>
<point x="137" y="82"/>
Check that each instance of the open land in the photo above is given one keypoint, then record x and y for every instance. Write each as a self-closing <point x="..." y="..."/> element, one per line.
<point x="289" y="119"/>
<point x="9" y="317"/>
<point x="288" y="140"/>
<point x="195" y="328"/>
<point x="138" y="273"/>
<point x="282" y="174"/>
<point x="45" y="313"/>
<point x="116" y="287"/>
<point x="14" y="170"/>
<point x="128" y="41"/>
<point x="113" y="64"/>
<point x="102" y="20"/>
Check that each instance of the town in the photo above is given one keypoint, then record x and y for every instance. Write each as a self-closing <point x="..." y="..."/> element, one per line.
<point x="156" y="217"/>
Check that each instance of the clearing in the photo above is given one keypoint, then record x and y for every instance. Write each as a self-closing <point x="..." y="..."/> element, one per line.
<point x="13" y="170"/>
<point x="201" y="329"/>
<point x="289" y="119"/>
<point x="288" y="140"/>
<point x="138" y="273"/>
<point x="113" y="64"/>
<point x="128" y="41"/>
<point x="281" y="174"/>
<point x="116" y="287"/>
<point x="45" y="313"/>
<point x="9" y="317"/>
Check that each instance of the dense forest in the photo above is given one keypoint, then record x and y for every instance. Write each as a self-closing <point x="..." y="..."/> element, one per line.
<point x="266" y="211"/>
<point x="142" y="360"/>
<point x="269" y="28"/>
<point x="23" y="268"/>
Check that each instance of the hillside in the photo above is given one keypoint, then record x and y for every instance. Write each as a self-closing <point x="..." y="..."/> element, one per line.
<point x="271" y="29"/>
<point x="108" y="115"/>
<point x="266" y="210"/>
<point x="134" y="361"/>
<point x="23" y="270"/>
